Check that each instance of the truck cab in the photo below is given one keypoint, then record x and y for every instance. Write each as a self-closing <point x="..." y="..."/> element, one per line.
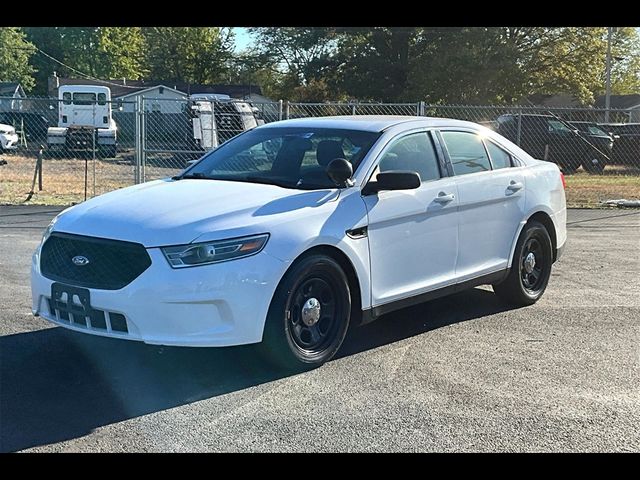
<point x="85" y="121"/>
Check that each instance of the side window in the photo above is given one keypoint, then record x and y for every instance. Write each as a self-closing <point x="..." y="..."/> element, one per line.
<point x="499" y="158"/>
<point x="102" y="99"/>
<point x="414" y="153"/>
<point x="467" y="152"/>
<point x="557" y="126"/>
<point x="66" y="98"/>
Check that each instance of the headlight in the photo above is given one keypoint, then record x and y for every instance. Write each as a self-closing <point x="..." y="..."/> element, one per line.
<point x="205" y="253"/>
<point x="48" y="230"/>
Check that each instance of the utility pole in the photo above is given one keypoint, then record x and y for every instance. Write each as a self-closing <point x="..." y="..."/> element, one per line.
<point x="607" y="96"/>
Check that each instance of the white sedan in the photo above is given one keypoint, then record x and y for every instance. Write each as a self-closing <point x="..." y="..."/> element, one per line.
<point x="292" y="231"/>
<point x="8" y="138"/>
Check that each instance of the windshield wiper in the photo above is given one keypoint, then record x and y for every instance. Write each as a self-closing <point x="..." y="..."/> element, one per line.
<point x="197" y="175"/>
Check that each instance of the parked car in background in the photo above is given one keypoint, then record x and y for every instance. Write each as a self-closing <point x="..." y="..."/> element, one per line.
<point x="291" y="232"/>
<point x="626" y="148"/>
<point x="33" y="125"/>
<point x="599" y="147"/>
<point x="8" y="138"/>
<point x="546" y="137"/>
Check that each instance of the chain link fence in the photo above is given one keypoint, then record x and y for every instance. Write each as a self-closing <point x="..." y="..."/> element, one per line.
<point x="47" y="161"/>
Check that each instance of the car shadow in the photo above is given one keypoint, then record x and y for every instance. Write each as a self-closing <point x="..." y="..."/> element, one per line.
<point x="56" y="385"/>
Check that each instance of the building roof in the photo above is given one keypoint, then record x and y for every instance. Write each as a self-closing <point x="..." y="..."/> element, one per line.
<point x="145" y="90"/>
<point x="555" y="100"/>
<point x="619" y="101"/>
<point x="122" y="87"/>
<point x="8" y="89"/>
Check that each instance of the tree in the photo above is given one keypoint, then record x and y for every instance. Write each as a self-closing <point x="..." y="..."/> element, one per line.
<point x="15" y="54"/>
<point x="302" y="56"/>
<point x="189" y="54"/>
<point x="101" y="52"/>
<point x="121" y="53"/>
<point x="625" y="70"/>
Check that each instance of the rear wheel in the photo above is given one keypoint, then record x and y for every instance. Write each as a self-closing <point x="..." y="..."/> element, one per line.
<point x="530" y="268"/>
<point x="309" y="315"/>
<point x="108" y="151"/>
<point x="593" y="165"/>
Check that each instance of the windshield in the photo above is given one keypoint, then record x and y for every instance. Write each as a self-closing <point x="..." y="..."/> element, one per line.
<point x="288" y="157"/>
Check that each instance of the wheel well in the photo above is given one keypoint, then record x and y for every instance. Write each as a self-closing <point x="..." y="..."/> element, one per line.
<point x="347" y="267"/>
<point x="545" y="220"/>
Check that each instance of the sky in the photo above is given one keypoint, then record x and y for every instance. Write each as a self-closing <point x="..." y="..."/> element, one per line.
<point x="243" y="39"/>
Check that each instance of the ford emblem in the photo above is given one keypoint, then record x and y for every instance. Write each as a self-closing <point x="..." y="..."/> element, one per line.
<point x="80" y="260"/>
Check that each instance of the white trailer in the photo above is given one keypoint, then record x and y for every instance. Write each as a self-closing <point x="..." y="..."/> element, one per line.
<point x="85" y="121"/>
<point x="217" y="118"/>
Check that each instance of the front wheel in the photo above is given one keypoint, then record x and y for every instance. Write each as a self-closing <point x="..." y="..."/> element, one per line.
<point x="309" y="315"/>
<point x="530" y="267"/>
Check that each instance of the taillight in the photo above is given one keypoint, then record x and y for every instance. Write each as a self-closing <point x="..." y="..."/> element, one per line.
<point x="564" y="182"/>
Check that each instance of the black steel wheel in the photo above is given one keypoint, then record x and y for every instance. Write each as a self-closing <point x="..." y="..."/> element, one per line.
<point x="309" y="314"/>
<point x="530" y="267"/>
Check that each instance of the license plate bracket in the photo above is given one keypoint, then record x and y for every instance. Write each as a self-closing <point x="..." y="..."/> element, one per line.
<point x="76" y="307"/>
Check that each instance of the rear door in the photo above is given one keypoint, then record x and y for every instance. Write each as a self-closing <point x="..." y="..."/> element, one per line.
<point x="491" y="202"/>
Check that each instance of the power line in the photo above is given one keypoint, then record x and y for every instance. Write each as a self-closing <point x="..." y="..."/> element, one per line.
<point x="84" y="74"/>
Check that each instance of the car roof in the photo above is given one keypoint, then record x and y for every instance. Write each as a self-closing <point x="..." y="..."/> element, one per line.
<point x="371" y="123"/>
<point x="541" y="115"/>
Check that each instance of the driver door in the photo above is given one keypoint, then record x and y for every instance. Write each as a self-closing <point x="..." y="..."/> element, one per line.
<point x="413" y="234"/>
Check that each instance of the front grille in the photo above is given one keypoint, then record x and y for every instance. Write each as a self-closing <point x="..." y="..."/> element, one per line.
<point x="112" y="264"/>
<point x="67" y="312"/>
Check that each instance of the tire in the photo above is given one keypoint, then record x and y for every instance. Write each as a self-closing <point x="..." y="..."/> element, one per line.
<point x="594" y="165"/>
<point x="298" y="341"/>
<point x="107" y="152"/>
<point x="569" y="168"/>
<point x="523" y="287"/>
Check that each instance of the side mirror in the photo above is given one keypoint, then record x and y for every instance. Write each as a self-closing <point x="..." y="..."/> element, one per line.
<point x="340" y="171"/>
<point x="393" y="180"/>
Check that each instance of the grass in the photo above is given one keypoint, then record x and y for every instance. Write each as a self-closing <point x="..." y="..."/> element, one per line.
<point x="585" y="190"/>
<point x="63" y="181"/>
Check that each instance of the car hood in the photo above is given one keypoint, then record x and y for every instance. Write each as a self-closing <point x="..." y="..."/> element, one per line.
<point x="169" y="212"/>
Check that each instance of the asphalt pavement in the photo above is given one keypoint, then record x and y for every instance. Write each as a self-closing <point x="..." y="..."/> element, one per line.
<point x="463" y="373"/>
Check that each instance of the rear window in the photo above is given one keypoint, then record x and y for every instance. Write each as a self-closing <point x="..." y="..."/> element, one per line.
<point x="83" y="98"/>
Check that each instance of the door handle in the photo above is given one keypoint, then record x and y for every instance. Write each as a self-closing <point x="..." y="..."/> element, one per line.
<point x="444" y="197"/>
<point x="515" y="186"/>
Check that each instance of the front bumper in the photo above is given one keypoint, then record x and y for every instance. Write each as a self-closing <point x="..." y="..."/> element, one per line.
<point x="215" y="305"/>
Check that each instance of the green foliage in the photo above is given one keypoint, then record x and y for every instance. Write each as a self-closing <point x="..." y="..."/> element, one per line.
<point x="15" y="52"/>
<point x="121" y="51"/>
<point x="438" y="65"/>
<point x="189" y="54"/>
<point x="625" y="71"/>
<point x="302" y="56"/>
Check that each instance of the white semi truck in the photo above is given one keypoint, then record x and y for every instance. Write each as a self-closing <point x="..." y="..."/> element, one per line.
<point x="217" y="117"/>
<point x="84" y="121"/>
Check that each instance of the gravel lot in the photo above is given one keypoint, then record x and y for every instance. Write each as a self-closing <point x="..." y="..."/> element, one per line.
<point x="464" y="373"/>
